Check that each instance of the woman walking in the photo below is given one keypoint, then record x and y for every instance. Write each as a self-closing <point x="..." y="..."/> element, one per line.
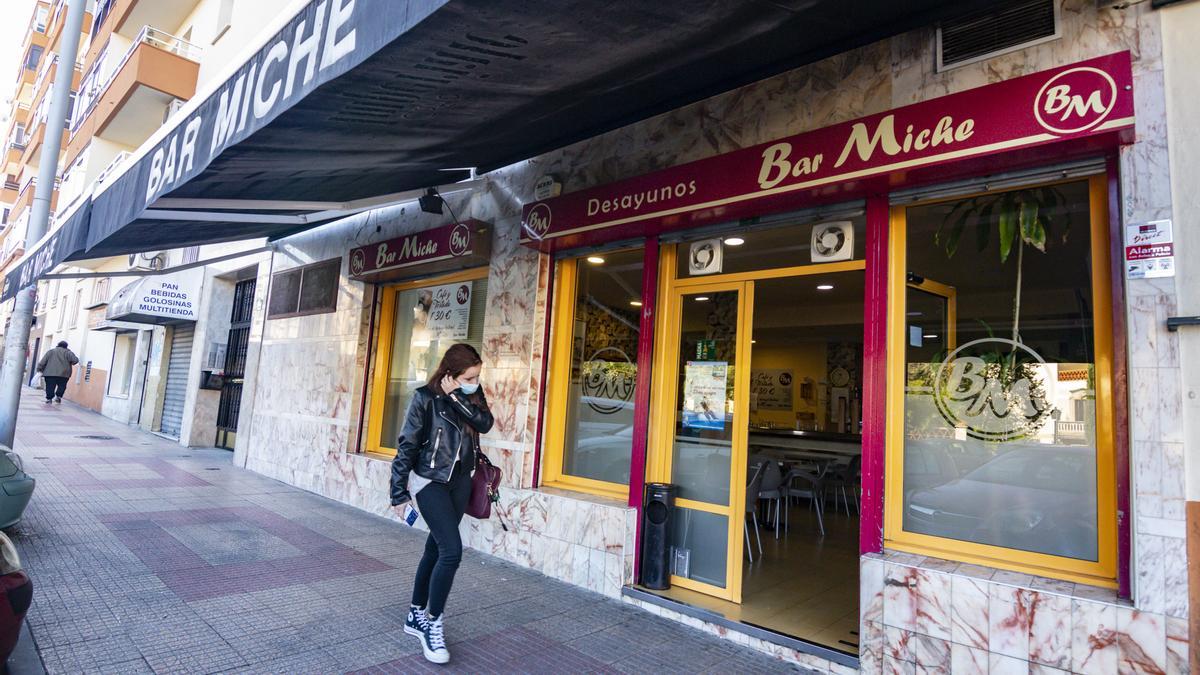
<point x="434" y="461"/>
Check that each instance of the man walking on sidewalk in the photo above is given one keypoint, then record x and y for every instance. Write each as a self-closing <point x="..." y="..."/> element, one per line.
<point x="55" y="368"/>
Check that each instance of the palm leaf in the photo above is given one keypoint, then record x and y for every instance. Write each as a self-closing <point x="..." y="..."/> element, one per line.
<point x="983" y="226"/>
<point x="1008" y="227"/>
<point x="1032" y="232"/>
<point x="966" y="206"/>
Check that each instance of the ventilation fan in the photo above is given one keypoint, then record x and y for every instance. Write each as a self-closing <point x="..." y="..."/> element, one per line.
<point x="705" y="257"/>
<point x="832" y="241"/>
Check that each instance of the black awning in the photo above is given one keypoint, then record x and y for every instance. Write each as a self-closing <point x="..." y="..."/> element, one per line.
<point x="403" y="93"/>
<point x="64" y="243"/>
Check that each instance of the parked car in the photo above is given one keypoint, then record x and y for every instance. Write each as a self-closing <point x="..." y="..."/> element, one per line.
<point x="16" y="488"/>
<point x="1039" y="498"/>
<point x="17" y="595"/>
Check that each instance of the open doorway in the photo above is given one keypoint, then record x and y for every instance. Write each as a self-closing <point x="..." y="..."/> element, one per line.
<point x="764" y="384"/>
<point x="805" y="448"/>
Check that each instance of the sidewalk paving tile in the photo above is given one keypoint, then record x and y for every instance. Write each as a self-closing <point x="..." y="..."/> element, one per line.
<point x="149" y="557"/>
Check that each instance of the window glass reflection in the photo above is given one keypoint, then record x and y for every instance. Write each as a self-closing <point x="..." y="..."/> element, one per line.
<point x="604" y="343"/>
<point x="427" y="322"/>
<point x="1000" y="401"/>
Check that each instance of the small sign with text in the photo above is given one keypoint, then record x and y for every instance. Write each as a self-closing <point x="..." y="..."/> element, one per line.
<point x="1149" y="250"/>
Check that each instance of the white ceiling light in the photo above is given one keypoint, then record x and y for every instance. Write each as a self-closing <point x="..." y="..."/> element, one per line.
<point x="734" y="241"/>
<point x="825" y="287"/>
<point x="595" y="260"/>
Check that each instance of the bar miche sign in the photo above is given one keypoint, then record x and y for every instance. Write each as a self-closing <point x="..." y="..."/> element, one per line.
<point x="64" y="243"/>
<point x="324" y="40"/>
<point x="456" y="245"/>
<point x="1087" y="98"/>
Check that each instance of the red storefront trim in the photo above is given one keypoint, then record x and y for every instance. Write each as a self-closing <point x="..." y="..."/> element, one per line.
<point x="641" y="394"/>
<point x="362" y="405"/>
<point x="875" y="321"/>
<point x="541" y="418"/>
<point x="1120" y="374"/>
<point x="1077" y="102"/>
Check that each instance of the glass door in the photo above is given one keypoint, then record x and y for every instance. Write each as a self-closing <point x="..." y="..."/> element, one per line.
<point x="706" y="390"/>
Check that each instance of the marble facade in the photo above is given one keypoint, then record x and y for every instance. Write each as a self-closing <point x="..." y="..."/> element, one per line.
<point x="302" y="417"/>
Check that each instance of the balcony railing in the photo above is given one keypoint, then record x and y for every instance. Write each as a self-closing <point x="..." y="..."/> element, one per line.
<point x="11" y="245"/>
<point x="112" y="166"/>
<point x="37" y="84"/>
<point x="90" y="92"/>
<point x="164" y="41"/>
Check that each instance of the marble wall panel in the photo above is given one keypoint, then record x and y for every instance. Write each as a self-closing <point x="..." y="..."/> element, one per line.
<point x="996" y="626"/>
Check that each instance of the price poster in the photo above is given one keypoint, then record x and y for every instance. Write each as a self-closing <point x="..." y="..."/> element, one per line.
<point x="449" y="312"/>
<point x="704" y="387"/>
<point x="772" y="388"/>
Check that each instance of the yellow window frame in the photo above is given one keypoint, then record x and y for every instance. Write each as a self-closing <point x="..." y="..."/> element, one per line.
<point x="1103" y="571"/>
<point x="664" y="394"/>
<point x="663" y="427"/>
<point x="384" y="336"/>
<point x="558" y="384"/>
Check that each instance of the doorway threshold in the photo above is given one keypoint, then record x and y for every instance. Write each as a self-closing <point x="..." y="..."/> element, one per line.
<point x="749" y="629"/>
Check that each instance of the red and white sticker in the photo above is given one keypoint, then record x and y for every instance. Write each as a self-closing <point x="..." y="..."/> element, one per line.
<point x="1149" y="250"/>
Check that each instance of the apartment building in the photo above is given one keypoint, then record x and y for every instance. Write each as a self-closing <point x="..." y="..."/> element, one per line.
<point x="24" y="131"/>
<point x="139" y="62"/>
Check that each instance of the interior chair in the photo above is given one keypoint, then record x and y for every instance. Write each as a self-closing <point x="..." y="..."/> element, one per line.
<point x="772" y="490"/>
<point x="844" y="480"/>
<point x="752" y="490"/>
<point x="809" y="486"/>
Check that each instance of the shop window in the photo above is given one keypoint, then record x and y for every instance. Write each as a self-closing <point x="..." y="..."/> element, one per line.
<point x="121" y="378"/>
<point x="1001" y="445"/>
<point x="417" y="323"/>
<point x="589" y="432"/>
<point x="301" y="291"/>
<point x="775" y="245"/>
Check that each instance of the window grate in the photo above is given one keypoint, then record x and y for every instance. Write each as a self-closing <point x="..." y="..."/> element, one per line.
<point x="987" y="33"/>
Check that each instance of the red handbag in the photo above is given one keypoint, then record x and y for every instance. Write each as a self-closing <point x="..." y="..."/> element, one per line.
<point x="485" y="488"/>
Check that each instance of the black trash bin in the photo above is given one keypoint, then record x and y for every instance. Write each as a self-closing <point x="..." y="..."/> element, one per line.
<point x="657" y="513"/>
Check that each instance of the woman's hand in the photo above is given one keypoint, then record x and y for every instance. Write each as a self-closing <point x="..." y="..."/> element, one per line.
<point x="448" y="384"/>
<point x="399" y="508"/>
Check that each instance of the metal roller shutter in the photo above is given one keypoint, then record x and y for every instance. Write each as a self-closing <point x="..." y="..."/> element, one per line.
<point x="177" y="376"/>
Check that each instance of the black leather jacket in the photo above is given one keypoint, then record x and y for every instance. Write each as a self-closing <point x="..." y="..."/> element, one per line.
<point x="438" y="430"/>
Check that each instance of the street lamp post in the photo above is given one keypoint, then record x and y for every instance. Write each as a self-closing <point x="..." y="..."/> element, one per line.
<point x="16" y="340"/>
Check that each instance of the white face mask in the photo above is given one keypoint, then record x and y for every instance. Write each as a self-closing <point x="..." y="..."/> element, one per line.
<point x="469" y="389"/>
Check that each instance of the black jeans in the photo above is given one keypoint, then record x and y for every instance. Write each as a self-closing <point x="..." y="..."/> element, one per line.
<point x="442" y="505"/>
<point x="55" y="386"/>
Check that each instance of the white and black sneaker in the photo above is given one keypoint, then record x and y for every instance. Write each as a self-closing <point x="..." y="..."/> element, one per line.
<point x="433" y="641"/>
<point x="416" y="622"/>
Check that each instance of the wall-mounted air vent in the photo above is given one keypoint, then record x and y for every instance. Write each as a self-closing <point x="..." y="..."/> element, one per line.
<point x="999" y="30"/>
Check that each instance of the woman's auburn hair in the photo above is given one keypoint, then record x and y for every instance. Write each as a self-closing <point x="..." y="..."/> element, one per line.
<point x="457" y="360"/>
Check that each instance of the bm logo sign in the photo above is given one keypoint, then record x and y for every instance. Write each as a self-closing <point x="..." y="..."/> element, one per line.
<point x="1075" y="100"/>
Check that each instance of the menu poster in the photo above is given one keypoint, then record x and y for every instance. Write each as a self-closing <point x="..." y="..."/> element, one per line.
<point x="449" y="312"/>
<point x="704" y="386"/>
<point x="772" y="388"/>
